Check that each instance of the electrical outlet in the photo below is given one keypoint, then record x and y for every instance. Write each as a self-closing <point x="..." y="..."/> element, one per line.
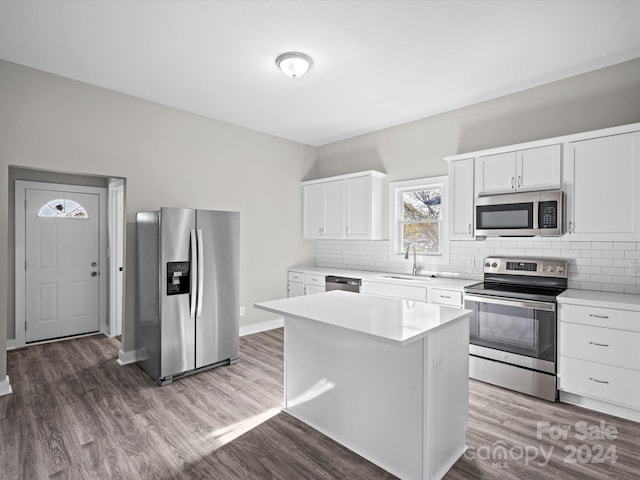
<point x="471" y="262"/>
<point x="242" y="311"/>
<point x="635" y="269"/>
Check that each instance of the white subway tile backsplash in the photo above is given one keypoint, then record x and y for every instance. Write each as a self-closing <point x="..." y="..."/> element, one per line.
<point x="624" y="246"/>
<point x="592" y="265"/>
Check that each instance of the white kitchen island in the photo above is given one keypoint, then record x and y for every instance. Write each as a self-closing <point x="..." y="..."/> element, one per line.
<point x="385" y="377"/>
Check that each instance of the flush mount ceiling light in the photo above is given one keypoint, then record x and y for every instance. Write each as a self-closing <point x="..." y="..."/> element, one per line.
<point x="294" y="64"/>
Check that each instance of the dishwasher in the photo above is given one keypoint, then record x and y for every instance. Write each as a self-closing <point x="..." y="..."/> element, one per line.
<point x="342" y="283"/>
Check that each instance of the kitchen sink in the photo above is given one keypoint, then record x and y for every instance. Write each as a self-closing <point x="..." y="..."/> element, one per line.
<point x="411" y="279"/>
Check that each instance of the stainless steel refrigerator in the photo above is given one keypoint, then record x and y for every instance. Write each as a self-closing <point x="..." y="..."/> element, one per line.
<point x="187" y="309"/>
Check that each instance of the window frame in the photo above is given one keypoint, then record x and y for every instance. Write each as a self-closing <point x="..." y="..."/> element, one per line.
<point x="396" y="189"/>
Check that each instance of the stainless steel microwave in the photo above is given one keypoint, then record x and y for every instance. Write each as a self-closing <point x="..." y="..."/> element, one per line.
<point x="520" y="214"/>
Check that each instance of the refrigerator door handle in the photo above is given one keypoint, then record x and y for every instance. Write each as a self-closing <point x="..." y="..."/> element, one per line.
<point x="192" y="276"/>
<point x="200" y="273"/>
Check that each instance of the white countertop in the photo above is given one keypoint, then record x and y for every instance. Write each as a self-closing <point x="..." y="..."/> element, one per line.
<point x="422" y="281"/>
<point x="626" y="301"/>
<point x="391" y="320"/>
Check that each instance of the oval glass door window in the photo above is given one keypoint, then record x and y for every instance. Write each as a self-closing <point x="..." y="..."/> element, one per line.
<point x="62" y="208"/>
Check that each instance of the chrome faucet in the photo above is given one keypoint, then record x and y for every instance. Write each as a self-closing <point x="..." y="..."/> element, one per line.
<point x="416" y="268"/>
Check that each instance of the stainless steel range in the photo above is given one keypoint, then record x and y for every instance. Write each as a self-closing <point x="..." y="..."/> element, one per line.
<point x="513" y="327"/>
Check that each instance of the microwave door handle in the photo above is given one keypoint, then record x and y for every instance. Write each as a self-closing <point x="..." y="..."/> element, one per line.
<point x="200" y="273"/>
<point x="536" y="220"/>
<point x="509" y="302"/>
<point x="192" y="276"/>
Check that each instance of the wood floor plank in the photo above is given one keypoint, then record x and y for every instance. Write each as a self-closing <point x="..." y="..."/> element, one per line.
<point x="76" y="414"/>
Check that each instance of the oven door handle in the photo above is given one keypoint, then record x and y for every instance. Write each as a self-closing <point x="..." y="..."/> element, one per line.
<point x="549" y="307"/>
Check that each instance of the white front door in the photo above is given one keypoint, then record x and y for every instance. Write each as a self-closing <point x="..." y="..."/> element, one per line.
<point x="62" y="263"/>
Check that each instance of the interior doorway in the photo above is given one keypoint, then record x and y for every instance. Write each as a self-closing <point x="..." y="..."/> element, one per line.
<point x="48" y="299"/>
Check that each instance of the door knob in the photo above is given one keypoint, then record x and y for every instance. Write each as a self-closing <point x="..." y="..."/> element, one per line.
<point x="94" y="274"/>
<point x="94" y="264"/>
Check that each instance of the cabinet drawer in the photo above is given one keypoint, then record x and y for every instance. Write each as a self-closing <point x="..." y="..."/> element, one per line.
<point x="296" y="276"/>
<point x="614" y="384"/>
<point x="445" y="297"/>
<point x="314" y="279"/>
<point x="602" y="345"/>
<point x="397" y="291"/>
<point x="601" y="317"/>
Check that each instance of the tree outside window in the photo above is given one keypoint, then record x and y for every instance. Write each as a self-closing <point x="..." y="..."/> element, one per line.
<point x="421" y="219"/>
<point x="418" y="215"/>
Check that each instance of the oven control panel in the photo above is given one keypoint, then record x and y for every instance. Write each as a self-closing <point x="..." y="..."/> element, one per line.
<point x="546" y="267"/>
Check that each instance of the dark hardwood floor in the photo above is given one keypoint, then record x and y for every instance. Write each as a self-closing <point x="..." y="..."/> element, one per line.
<point x="76" y="414"/>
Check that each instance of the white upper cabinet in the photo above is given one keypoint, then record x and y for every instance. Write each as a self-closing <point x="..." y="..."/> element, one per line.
<point x="520" y="171"/>
<point x="539" y="168"/>
<point x="334" y="218"/>
<point x="461" y="199"/>
<point x="602" y="177"/>
<point x="496" y="173"/>
<point x="313" y="205"/>
<point x="347" y="207"/>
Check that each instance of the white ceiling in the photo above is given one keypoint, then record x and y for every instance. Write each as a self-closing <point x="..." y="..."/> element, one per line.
<point x="376" y="63"/>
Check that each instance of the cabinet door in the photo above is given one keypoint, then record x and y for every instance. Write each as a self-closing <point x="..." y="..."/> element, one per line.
<point x="358" y="207"/>
<point x="312" y="210"/>
<point x="496" y="173"/>
<point x="334" y="198"/>
<point x="539" y="168"/>
<point x="311" y="289"/>
<point x="461" y="199"/>
<point x="295" y="289"/>
<point x="602" y="196"/>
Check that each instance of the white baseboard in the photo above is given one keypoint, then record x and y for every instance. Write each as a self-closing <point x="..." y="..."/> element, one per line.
<point x="126" y="358"/>
<point x="12" y="344"/>
<point x="600" y="406"/>
<point x="5" y="387"/>
<point x="261" y="327"/>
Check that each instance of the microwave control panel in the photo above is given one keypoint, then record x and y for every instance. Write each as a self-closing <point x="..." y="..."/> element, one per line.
<point x="548" y="213"/>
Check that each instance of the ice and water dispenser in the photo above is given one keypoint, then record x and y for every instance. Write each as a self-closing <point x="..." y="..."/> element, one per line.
<point x="178" y="278"/>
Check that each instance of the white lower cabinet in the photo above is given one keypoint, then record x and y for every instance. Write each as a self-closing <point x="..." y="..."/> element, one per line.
<point x="440" y="296"/>
<point x="295" y="284"/>
<point x="599" y="354"/>
<point x="408" y="292"/>
<point x="313" y="283"/>
<point x="301" y="283"/>
<point x="450" y="298"/>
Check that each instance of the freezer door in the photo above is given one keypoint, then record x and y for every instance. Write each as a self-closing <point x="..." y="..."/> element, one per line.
<point x="177" y="330"/>
<point x="217" y="317"/>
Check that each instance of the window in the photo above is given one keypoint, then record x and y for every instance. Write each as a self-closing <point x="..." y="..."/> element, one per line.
<point x="62" y="208"/>
<point x="418" y="210"/>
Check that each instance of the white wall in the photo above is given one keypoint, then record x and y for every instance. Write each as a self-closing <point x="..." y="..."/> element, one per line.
<point x="599" y="99"/>
<point x="169" y="158"/>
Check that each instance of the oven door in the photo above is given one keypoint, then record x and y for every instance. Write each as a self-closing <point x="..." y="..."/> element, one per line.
<point x="526" y="329"/>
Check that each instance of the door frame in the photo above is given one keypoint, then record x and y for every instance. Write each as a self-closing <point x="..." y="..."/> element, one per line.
<point x="116" y="253"/>
<point x="20" y="255"/>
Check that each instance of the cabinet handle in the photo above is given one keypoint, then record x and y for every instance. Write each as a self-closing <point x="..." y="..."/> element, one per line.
<point x="597" y="381"/>
<point x="571" y="227"/>
<point x="597" y="316"/>
<point x="347" y="230"/>
<point x="306" y="291"/>
<point x="513" y="182"/>
<point x="445" y="296"/>
<point x="598" y="344"/>
<point x="469" y="229"/>
<point x="519" y="181"/>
